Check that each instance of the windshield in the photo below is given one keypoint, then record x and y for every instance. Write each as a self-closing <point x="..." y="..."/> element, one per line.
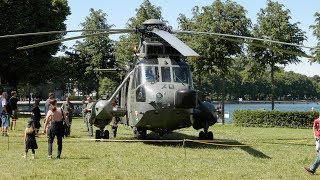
<point x="150" y="74"/>
<point x="181" y="74"/>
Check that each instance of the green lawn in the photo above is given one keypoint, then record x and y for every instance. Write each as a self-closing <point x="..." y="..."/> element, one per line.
<point x="236" y="153"/>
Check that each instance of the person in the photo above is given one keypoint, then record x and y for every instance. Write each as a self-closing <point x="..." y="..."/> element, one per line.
<point x="47" y="104"/>
<point x="88" y="110"/>
<point x="83" y="110"/>
<point x="68" y="109"/>
<point x="30" y="138"/>
<point x="149" y="74"/>
<point x="316" y="133"/>
<point x="5" y="116"/>
<point x="115" y="120"/>
<point x="13" y="103"/>
<point x="55" y="118"/>
<point x="36" y="115"/>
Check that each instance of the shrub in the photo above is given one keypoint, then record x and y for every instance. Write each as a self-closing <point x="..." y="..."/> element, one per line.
<point x="261" y="118"/>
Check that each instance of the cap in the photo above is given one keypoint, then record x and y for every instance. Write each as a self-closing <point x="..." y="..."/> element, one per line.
<point x="30" y="122"/>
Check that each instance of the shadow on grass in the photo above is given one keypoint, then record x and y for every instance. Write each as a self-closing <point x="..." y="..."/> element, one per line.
<point x="193" y="142"/>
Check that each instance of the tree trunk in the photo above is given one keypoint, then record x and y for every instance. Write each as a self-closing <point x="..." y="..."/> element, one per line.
<point x="272" y="88"/>
<point x="223" y="99"/>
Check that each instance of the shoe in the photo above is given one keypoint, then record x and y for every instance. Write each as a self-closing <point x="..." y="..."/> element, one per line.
<point x="24" y="156"/>
<point x="309" y="170"/>
<point x="32" y="156"/>
<point x="58" y="157"/>
<point x="50" y="157"/>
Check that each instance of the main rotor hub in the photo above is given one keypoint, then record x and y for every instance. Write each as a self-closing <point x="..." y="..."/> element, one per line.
<point x="150" y="24"/>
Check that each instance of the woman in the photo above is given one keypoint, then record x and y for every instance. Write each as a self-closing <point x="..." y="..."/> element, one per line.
<point x="55" y="118"/>
<point x="36" y="115"/>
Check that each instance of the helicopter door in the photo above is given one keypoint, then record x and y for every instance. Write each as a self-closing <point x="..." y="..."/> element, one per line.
<point x="135" y="81"/>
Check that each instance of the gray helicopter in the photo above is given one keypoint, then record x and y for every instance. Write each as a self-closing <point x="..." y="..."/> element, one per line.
<point x="157" y="90"/>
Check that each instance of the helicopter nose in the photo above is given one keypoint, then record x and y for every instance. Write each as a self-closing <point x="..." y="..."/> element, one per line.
<point x="185" y="98"/>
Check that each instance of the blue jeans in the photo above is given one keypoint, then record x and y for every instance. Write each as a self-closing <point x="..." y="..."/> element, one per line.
<point x="316" y="163"/>
<point x="5" y="120"/>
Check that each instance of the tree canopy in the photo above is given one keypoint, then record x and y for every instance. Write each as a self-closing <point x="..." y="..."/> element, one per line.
<point x="94" y="52"/>
<point x="273" y="22"/>
<point x="19" y="16"/>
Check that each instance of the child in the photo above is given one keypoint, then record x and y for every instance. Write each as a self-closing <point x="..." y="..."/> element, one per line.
<point x="30" y="138"/>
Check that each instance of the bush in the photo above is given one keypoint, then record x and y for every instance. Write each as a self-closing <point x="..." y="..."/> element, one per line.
<point x="260" y="118"/>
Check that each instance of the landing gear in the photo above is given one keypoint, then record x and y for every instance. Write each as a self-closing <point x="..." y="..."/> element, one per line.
<point x="114" y="131"/>
<point x="205" y="135"/>
<point x="102" y="134"/>
<point x="140" y="133"/>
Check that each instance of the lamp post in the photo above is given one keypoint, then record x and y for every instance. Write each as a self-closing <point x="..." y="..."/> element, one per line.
<point x="68" y="87"/>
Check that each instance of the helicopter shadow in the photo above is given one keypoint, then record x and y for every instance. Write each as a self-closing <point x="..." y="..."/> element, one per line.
<point x="189" y="141"/>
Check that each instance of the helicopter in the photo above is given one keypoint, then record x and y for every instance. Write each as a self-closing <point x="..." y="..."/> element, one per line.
<point x="157" y="92"/>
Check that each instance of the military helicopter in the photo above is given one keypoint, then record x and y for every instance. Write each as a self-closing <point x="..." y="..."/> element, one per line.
<point x="157" y="90"/>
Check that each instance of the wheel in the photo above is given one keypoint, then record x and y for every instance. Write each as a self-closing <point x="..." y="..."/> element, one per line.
<point x="114" y="131"/>
<point x="210" y="135"/>
<point x="106" y="134"/>
<point x="140" y="134"/>
<point x="98" y="134"/>
<point x="202" y="135"/>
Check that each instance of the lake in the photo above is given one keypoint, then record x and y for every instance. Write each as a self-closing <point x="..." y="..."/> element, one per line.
<point x="229" y="108"/>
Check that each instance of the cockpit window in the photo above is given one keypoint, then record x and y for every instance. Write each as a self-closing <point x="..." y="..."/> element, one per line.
<point x="165" y="74"/>
<point x="181" y="74"/>
<point x="151" y="74"/>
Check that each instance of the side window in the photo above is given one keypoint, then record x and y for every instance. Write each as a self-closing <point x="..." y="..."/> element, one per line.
<point x="165" y="74"/>
<point x="136" y="78"/>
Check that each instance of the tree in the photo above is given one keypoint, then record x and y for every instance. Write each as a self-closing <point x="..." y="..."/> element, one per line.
<point x="316" y="33"/>
<point x="217" y="53"/>
<point x="273" y="22"/>
<point x="18" y="16"/>
<point x="93" y="52"/>
<point x="125" y="47"/>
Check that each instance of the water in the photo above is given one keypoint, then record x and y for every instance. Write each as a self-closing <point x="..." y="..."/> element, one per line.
<point x="229" y="108"/>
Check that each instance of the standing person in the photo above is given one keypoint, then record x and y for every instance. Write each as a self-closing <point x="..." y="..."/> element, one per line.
<point x="115" y="120"/>
<point x="83" y="110"/>
<point x="88" y="111"/>
<point x="5" y="116"/>
<point x="55" y="117"/>
<point x="30" y="139"/>
<point x="316" y="133"/>
<point x="68" y="109"/>
<point x="14" y="107"/>
<point x="36" y="115"/>
<point x="47" y="104"/>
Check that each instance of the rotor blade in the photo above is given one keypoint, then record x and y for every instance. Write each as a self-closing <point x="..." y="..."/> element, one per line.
<point x="270" y="47"/>
<point x="241" y="37"/>
<point x="109" y="70"/>
<point x="176" y="43"/>
<point x="58" y="32"/>
<point x="62" y="40"/>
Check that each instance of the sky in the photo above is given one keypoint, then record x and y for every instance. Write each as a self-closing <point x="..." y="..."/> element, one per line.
<point x="119" y="11"/>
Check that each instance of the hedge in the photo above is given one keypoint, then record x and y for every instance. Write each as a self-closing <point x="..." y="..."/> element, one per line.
<point x="262" y="118"/>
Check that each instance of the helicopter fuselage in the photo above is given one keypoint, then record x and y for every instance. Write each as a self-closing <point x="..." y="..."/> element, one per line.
<point x="160" y="95"/>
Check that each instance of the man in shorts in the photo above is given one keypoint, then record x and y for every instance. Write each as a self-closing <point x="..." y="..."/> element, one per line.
<point x="5" y="116"/>
<point x="13" y="103"/>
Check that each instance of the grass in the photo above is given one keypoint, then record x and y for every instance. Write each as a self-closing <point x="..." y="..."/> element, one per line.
<point x="237" y="153"/>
